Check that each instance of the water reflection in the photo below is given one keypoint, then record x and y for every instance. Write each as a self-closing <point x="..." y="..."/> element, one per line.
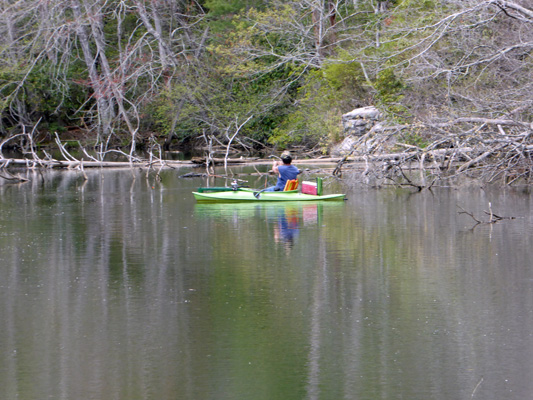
<point x="284" y="219"/>
<point x="119" y="287"/>
<point x="287" y="226"/>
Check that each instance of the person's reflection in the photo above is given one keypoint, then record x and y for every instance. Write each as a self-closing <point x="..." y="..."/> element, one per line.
<point x="288" y="227"/>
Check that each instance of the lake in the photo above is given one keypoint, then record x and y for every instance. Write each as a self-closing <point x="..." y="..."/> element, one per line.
<point x="123" y="287"/>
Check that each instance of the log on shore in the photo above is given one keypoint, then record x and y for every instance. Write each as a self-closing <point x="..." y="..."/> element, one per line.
<point x="29" y="163"/>
<point x="218" y="161"/>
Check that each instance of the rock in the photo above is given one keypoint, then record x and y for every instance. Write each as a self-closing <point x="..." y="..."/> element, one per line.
<point x="357" y="127"/>
<point x="369" y="112"/>
<point x="344" y="147"/>
<point x="359" y="121"/>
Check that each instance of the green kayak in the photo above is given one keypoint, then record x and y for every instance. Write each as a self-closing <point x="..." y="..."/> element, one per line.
<point x="229" y="189"/>
<point x="248" y="195"/>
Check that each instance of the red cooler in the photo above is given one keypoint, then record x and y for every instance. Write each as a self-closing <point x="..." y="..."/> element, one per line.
<point x="309" y="188"/>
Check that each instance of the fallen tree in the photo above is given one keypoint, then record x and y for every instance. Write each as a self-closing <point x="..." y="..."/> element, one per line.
<point x="491" y="150"/>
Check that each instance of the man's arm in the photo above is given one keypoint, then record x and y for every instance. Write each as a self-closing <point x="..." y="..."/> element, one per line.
<point x="275" y="166"/>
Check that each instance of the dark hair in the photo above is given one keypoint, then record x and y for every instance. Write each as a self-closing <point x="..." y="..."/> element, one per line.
<point x="286" y="159"/>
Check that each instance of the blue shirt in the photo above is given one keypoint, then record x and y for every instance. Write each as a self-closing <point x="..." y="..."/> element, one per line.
<point x="286" y="173"/>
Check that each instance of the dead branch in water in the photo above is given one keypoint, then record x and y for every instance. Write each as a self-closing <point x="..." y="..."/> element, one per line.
<point x="493" y="218"/>
<point x="12" y="178"/>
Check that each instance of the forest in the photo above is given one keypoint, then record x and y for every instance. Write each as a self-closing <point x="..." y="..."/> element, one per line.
<point x="451" y="78"/>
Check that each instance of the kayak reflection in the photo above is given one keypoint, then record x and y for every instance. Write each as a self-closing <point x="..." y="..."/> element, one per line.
<point x="284" y="219"/>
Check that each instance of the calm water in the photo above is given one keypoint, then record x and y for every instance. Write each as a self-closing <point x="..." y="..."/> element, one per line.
<point x="122" y="287"/>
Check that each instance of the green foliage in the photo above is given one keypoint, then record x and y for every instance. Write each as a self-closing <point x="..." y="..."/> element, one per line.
<point x="219" y="101"/>
<point x="264" y="32"/>
<point x="344" y="76"/>
<point x="417" y="4"/>
<point x="130" y="31"/>
<point x="41" y="96"/>
<point x="414" y="138"/>
<point x="326" y="94"/>
<point x="176" y="104"/>
<point x="316" y="119"/>
<point x="222" y="12"/>
<point x="388" y="85"/>
<point x="390" y="93"/>
<point x="301" y="127"/>
<point x="217" y="8"/>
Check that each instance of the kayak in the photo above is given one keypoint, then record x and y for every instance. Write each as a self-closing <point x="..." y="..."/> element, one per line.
<point x="250" y="195"/>
<point x="311" y="191"/>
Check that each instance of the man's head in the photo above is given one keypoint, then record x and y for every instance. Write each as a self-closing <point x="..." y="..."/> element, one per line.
<point x="286" y="158"/>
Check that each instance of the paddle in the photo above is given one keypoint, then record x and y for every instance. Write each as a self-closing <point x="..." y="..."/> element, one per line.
<point x="258" y="194"/>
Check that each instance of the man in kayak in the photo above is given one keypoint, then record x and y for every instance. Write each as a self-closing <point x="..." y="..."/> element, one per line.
<point x="285" y="170"/>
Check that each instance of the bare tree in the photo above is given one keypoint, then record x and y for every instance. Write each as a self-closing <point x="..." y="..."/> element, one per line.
<point x="125" y="68"/>
<point x="467" y="98"/>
